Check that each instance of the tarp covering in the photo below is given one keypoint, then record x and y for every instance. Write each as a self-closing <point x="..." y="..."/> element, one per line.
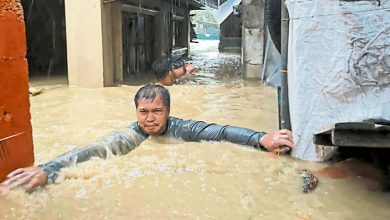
<point x="225" y="10"/>
<point x="338" y="67"/>
<point x="270" y="73"/>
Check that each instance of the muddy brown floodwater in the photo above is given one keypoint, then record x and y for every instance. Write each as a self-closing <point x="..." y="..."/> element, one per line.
<point x="169" y="179"/>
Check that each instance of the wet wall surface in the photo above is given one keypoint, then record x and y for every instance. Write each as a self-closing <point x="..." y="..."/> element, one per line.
<point x="16" y="147"/>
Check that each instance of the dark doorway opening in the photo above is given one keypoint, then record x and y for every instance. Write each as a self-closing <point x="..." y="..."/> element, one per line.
<point x="46" y="37"/>
<point x="138" y="41"/>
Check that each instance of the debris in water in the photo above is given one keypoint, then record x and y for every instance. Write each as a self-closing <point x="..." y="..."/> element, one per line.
<point x="33" y="91"/>
<point x="309" y="181"/>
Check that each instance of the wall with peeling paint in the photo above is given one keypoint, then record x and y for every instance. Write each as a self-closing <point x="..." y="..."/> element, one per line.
<point x="252" y="38"/>
<point x="16" y="145"/>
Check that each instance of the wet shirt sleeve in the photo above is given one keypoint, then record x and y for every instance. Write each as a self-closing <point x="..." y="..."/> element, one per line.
<point x="190" y="130"/>
<point x="117" y="143"/>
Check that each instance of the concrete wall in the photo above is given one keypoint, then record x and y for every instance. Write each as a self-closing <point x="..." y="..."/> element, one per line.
<point x="94" y="43"/>
<point x="112" y="43"/>
<point x="252" y="38"/>
<point x="116" y="13"/>
<point x="16" y="146"/>
<point x="108" y="52"/>
<point x="84" y="43"/>
<point x="94" y="39"/>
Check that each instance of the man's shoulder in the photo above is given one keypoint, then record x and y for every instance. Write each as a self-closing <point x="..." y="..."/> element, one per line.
<point x="179" y="122"/>
<point x="172" y="119"/>
<point x="173" y="122"/>
<point x="135" y="126"/>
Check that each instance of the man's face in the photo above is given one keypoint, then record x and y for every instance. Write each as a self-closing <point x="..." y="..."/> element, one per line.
<point x="153" y="115"/>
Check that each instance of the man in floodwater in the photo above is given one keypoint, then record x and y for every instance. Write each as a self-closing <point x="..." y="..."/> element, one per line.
<point x="152" y="104"/>
<point x="166" y="72"/>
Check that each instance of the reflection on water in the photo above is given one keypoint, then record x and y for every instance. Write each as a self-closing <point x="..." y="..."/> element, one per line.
<point x="170" y="179"/>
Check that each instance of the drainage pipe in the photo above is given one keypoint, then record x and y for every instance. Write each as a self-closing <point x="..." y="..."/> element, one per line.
<point x="284" y="105"/>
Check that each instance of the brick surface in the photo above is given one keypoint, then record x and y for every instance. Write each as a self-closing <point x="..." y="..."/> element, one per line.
<point x="15" y="118"/>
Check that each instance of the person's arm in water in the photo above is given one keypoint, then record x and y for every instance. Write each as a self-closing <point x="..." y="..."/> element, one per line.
<point x="190" y="130"/>
<point x="182" y="70"/>
<point x="166" y="71"/>
<point x="117" y="143"/>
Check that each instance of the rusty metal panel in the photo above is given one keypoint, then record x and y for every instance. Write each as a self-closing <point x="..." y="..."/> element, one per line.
<point x="16" y="145"/>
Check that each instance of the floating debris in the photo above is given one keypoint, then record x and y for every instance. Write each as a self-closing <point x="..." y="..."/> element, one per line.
<point x="33" y="91"/>
<point x="309" y="181"/>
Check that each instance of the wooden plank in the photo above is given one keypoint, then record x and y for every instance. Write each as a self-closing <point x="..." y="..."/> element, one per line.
<point x="354" y="138"/>
<point x="326" y="129"/>
<point x="370" y="133"/>
<point x="366" y="125"/>
<point x="379" y="121"/>
<point x="382" y="127"/>
<point x="355" y="125"/>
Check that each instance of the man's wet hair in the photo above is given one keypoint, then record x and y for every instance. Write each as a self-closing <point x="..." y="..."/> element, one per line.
<point x="151" y="91"/>
<point x="161" y="68"/>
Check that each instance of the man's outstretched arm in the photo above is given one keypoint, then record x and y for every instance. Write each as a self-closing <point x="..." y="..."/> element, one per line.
<point x="184" y="69"/>
<point x="198" y="130"/>
<point x="118" y="143"/>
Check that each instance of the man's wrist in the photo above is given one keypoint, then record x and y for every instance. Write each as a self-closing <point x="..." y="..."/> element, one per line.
<point x="262" y="146"/>
<point x="50" y="175"/>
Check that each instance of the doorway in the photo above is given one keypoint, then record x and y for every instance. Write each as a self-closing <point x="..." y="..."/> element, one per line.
<point x="138" y="39"/>
<point x="46" y="39"/>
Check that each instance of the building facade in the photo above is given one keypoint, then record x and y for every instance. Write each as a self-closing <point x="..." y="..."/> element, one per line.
<point x="107" y="41"/>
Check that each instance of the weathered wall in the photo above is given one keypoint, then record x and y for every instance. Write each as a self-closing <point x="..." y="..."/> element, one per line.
<point x="108" y="46"/>
<point x="15" y="116"/>
<point x="112" y="43"/>
<point x="184" y="33"/>
<point x="161" y="44"/>
<point x="230" y="37"/>
<point x="252" y="38"/>
<point x="95" y="44"/>
<point x="116" y="12"/>
<point x="84" y="34"/>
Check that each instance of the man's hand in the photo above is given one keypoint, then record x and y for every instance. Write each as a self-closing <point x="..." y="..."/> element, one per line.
<point x="28" y="178"/>
<point x="189" y="68"/>
<point x="280" y="141"/>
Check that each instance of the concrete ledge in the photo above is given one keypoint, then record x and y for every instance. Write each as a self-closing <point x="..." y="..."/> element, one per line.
<point x="178" y="53"/>
<point x="230" y="49"/>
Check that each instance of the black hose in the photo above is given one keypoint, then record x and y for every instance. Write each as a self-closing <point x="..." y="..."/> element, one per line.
<point x="273" y="17"/>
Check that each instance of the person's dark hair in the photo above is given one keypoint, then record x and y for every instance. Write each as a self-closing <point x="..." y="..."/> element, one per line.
<point x="161" y="68"/>
<point x="151" y="91"/>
